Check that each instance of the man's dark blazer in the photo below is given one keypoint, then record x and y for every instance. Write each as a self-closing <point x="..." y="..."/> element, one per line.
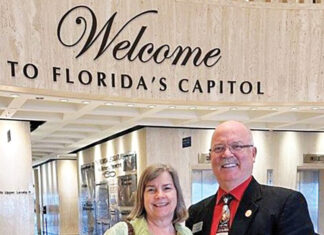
<point x="262" y="210"/>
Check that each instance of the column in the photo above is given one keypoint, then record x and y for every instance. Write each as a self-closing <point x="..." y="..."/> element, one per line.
<point x="16" y="186"/>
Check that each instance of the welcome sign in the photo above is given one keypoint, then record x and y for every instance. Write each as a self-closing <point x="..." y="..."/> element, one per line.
<point x="163" y="50"/>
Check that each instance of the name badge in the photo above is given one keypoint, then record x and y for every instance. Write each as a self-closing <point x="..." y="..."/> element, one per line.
<point x="197" y="227"/>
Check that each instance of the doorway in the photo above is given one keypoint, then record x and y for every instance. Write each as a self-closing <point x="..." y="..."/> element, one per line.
<point x="309" y="184"/>
<point x="203" y="184"/>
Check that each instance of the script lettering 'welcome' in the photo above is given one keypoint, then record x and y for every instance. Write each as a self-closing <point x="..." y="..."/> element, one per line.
<point x="126" y="49"/>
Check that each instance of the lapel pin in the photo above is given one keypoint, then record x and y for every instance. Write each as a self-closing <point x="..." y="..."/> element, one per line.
<point x="248" y="213"/>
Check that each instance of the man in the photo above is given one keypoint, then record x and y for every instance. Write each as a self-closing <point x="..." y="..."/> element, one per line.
<point x="241" y="205"/>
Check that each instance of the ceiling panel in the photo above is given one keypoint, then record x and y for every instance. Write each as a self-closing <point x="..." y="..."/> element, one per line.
<point x="74" y="123"/>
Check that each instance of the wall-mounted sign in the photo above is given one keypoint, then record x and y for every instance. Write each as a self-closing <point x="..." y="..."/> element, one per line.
<point x="203" y="158"/>
<point x="196" y="53"/>
<point x="313" y="158"/>
<point x="8" y="136"/>
<point x="186" y="142"/>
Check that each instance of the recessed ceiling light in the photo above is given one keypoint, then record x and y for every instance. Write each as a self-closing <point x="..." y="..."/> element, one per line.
<point x="14" y="95"/>
<point x="212" y="108"/>
<point x="130" y="105"/>
<point x="171" y="107"/>
<point x="233" y="108"/>
<point x="151" y="106"/>
<point x="64" y="100"/>
<point x="273" y="109"/>
<point x="294" y="108"/>
<point x="108" y="103"/>
<point x="192" y="108"/>
<point x="315" y="108"/>
<point x="85" y="102"/>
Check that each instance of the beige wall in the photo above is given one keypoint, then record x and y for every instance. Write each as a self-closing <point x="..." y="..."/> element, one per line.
<point x="67" y="174"/>
<point x="164" y="145"/>
<point x="283" y="152"/>
<point x="282" y="49"/>
<point x="16" y="185"/>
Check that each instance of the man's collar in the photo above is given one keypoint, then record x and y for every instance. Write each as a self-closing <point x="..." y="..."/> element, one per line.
<point x="237" y="192"/>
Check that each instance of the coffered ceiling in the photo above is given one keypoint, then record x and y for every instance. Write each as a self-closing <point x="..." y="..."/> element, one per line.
<point x="71" y="124"/>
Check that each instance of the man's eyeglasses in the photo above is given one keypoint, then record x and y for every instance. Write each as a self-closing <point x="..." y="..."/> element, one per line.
<point x="234" y="148"/>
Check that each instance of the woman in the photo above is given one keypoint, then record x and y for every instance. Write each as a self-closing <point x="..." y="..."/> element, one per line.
<point x="159" y="206"/>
